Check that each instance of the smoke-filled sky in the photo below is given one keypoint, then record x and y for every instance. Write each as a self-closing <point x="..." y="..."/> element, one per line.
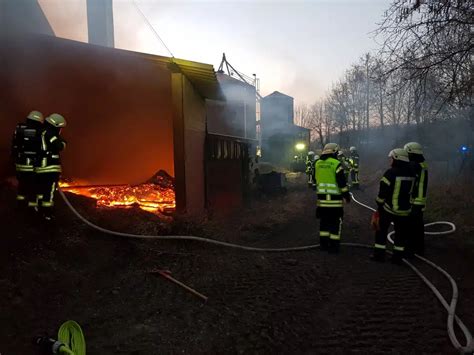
<point x="296" y="47"/>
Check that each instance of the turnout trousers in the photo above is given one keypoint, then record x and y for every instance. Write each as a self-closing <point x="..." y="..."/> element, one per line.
<point x="27" y="189"/>
<point x="48" y="184"/>
<point x="330" y="227"/>
<point x="402" y="229"/>
<point x="355" y="177"/>
<point x="416" y="244"/>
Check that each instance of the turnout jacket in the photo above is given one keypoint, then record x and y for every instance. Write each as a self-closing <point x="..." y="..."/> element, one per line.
<point x="420" y="168"/>
<point x="51" y="146"/>
<point x="396" y="188"/>
<point x="26" y="145"/>
<point x="331" y="184"/>
<point x="354" y="159"/>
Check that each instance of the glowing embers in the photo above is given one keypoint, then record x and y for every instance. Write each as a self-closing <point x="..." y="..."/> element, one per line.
<point x="156" y="195"/>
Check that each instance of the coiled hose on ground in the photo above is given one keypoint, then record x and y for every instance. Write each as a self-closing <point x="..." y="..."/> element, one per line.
<point x="450" y="308"/>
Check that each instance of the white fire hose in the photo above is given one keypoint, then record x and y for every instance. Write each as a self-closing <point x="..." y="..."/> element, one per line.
<point x="450" y="308"/>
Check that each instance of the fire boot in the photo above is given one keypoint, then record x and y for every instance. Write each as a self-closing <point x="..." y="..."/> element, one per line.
<point x="378" y="255"/>
<point x="397" y="257"/>
<point x="333" y="247"/>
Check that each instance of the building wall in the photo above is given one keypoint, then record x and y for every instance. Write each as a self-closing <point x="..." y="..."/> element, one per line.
<point x="117" y="105"/>
<point x="276" y="114"/>
<point x="194" y="110"/>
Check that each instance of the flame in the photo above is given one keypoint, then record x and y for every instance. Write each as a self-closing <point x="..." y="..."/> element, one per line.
<point x="149" y="197"/>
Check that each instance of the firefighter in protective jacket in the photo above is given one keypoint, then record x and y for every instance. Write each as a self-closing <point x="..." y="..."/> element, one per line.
<point x="331" y="188"/>
<point x="354" y="161"/>
<point x="26" y="148"/>
<point x="345" y="165"/>
<point x="394" y="205"/>
<point x="310" y="168"/>
<point x="49" y="169"/>
<point x="415" y="153"/>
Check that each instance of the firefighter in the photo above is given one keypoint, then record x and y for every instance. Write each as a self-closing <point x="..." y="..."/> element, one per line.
<point x="49" y="169"/>
<point x="345" y="164"/>
<point x="415" y="153"/>
<point x="394" y="205"/>
<point x="26" y="146"/>
<point x="354" y="162"/>
<point x="331" y="190"/>
<point x="310" y="168"/>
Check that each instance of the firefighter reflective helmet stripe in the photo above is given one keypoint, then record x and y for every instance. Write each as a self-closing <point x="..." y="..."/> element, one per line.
<point x="330" y="148"/>
<point x="56" y="120"/>
<point x="399" y="154"/>
<point x="414" y="148"/>
<point x="310" y="152"/>
<point x="35" y="116"/>
<point x="352" y="149"/>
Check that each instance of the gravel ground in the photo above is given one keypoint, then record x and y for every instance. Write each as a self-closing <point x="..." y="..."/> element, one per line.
<point x="297" y="302"/>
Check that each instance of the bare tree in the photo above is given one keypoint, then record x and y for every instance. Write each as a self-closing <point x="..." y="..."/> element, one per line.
<point x="431" y="38"/>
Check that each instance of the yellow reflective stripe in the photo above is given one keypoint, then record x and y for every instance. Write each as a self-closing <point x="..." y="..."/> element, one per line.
<point x="46" y="204"/>
<point x="379" y="200"/>
<point x="345" y="189"/>
<point x="421" y="198"/>
<point x="53" y="188"/>
<point x="20" y="197"/>
<point x="24" y="168"/>
<point x="335" y="237"/>
<point x="49" y="168"/>
<point x="323" y="234"/>
<point x="325" y="204"/>
<point x="339" y="169"/>
<point x="331" y="201"/>
<point x="386" y="181"/>
<point x="326" y="191"/>
<point x="32" y="204"/>
<point x="396" y="194"/>
<point x="398" y="248"/>
<point x="379" y="246"/>
<point x="420" y="201"/>
<point x="43" y="141"/>
<point x="53" y="139"/>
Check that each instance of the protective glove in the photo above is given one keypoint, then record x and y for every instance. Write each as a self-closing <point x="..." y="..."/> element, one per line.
<point x="375" y="221"/>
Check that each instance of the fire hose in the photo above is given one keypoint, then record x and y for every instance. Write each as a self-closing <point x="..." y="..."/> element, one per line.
<point x="450" y="308"/>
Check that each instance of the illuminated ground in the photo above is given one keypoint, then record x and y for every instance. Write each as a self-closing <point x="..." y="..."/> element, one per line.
<point x="305" y="302"/>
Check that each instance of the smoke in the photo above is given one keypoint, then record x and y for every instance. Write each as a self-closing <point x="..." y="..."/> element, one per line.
<point x="117" y="105"/>
<point x="237" y="115"/>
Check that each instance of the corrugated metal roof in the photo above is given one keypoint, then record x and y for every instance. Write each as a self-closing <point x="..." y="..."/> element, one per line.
<point x="201" y="75"/>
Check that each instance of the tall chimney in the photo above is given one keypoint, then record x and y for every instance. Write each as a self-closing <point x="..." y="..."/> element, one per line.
<point x="100" y="22"/>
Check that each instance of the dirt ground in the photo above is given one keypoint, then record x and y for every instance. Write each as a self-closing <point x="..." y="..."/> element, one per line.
<point x="296" y="302"/>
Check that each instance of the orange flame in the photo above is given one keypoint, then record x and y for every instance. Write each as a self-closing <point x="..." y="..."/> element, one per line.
<point x="149" y="197"/>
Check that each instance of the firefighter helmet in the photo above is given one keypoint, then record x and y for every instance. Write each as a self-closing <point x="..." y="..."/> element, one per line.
<point x="310" y="152"/>
<point x="330" y="148"/>
<point x="399" y="154"/>
<point x="352" y="149"/>
<point x="316" y="157"/>
<point x="414" y="148"/>
<point x="35" y="116"/>
<point x="56" y="120"/>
